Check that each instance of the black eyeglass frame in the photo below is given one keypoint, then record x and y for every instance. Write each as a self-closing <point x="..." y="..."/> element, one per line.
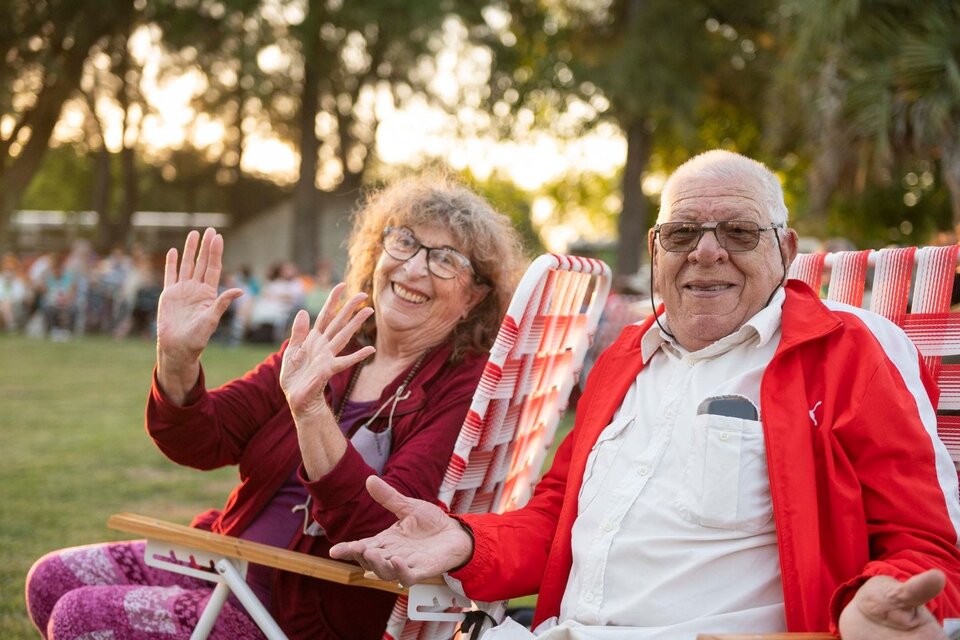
<point x="703" y="229"/>
<point x="464" y="260"/>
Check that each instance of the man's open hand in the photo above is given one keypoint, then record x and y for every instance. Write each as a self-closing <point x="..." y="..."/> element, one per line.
<point x="887" y="609"/>
<point x="425" y="542"/>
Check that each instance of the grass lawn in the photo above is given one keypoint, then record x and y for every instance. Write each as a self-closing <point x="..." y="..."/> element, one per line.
<point x="75" y="451"/>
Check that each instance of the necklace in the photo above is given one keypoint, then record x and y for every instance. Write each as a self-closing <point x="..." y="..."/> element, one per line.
<point x="356" y="374"/>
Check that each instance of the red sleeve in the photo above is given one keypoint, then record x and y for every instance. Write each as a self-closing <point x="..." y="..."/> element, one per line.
<point x="511" y="549"/>
<point x="213" y="428"/>
<point x="907" y="536"/>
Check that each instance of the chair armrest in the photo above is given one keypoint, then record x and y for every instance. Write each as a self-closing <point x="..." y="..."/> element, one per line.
<point x="255" y="552"/>
<point x="797" y="635"/>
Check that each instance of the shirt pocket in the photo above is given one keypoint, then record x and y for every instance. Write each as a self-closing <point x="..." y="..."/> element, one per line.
<point x="600" y="460"/>
<point x="725" y="481"/>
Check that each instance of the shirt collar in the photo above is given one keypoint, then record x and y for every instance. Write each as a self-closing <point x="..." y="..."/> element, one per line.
<point x="761" y="328"/>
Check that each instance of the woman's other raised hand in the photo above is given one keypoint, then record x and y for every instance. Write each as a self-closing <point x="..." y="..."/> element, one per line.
<point x="189" y="311"/>
<point x="312" y="355"/>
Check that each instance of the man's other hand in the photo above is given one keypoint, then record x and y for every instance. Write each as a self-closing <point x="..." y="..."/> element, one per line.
<point x="887" y="609"/>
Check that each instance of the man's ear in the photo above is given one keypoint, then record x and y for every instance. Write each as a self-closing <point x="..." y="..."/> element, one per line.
<point x="651" y="241"/>
<point x="788" y="246"/>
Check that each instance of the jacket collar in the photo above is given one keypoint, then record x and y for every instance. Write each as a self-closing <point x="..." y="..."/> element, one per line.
<point x="805" y="317"/>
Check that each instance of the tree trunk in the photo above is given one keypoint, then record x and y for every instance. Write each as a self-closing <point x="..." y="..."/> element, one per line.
<point x="102" y="187"/>
<point x="831" y="150"/>
<point x="306" y="217"/>
<point x="128" y="161"/>
<point x="634" y="222"/>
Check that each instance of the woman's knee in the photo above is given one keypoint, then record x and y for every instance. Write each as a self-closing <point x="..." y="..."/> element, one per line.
<point x="87" y="611"/>
<point x="47" y="581"/>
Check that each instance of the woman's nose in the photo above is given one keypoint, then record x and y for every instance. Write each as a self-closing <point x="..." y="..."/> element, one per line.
<point x="417" y="263"/>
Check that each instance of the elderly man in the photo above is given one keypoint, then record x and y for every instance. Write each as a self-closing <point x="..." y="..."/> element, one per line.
<point x="751" y="458"/>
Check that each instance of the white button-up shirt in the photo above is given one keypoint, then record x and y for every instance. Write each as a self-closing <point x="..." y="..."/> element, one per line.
<point x="675" y="531"/>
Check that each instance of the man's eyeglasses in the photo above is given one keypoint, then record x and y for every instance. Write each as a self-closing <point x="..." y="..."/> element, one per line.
<point x="732" y="235"/>
<point x="445" y="263"/>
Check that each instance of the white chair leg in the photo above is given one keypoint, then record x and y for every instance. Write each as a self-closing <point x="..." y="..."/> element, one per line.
<point x="249" y="601"/>
<point x="211" y="611"/>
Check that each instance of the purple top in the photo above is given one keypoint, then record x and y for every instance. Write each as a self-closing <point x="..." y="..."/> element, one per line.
<point x="278" y="522"/>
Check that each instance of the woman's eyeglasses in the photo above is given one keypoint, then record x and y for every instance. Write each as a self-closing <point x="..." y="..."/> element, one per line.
<point x="732" y="235"/>
<point x="445" y="263"/>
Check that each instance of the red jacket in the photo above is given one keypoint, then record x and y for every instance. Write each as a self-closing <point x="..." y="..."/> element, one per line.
<point x="860" y="484"/>
<point x="247" y="422"/>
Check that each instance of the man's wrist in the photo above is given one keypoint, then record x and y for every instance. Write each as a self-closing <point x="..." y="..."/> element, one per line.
<point x="469" y="532"/>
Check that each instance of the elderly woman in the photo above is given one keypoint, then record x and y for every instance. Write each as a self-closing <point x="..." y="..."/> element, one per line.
<point x="379" y="389"/>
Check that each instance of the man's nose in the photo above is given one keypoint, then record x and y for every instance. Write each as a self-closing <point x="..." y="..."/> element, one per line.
<point x="708" y="247"/>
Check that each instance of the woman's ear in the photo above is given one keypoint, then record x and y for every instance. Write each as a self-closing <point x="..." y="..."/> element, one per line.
<point x="475" y="295"/>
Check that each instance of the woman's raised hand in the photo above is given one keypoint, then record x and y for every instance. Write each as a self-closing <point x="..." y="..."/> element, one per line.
<point x="189" y="310"/>
<point x="312" y="355"/>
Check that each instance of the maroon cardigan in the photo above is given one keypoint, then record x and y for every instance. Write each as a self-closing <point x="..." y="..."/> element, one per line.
<point x="247" y="422"/>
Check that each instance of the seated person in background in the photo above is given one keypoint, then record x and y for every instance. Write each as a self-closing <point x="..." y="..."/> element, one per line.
<point x="367" y="390"/>
<point x="319" y="287"/>
<point x="749" y="459"/>
<point x="16" y="295"/>
<point x="59" y="300"/>
<point x="282" y="296"/>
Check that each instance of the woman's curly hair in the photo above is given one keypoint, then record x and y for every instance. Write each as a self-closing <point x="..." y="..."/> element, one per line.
<point x="485" y="236"/>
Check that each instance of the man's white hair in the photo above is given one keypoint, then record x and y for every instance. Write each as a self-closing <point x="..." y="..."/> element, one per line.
<point x="729" y="166"/>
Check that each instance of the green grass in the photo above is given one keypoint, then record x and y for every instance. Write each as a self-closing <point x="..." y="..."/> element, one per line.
<point x="74" y="451"/>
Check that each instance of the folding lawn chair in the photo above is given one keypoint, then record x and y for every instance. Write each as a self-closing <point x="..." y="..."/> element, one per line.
<point x="522" y="394"/>
<point x="912" y="287"/>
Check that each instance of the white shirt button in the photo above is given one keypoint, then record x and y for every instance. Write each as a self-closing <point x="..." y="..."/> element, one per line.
<point x="608" y="525"/>
<point x="588" y="596"/>
<point x="724" y="435"/>
<point x="642" y="470"/>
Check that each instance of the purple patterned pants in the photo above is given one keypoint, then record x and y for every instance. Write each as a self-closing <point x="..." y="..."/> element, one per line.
<point x="107" y="592"/>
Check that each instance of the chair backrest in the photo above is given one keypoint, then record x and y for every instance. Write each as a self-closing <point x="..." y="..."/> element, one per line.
<point x="911" y="287"/>
<point x="533" y="365"/>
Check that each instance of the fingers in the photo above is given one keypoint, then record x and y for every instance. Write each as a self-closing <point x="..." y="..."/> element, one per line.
<point x="300" y="329"/>
<point x="348" y="550"/>
<point x="186" y="261"/>
<point x="223" y="301"/>
<point x="329" y="309"/>
<point x="345" y="362"/>
<point x="368" y="554"/>
<point x="381" y="563"/>
<point x="170" y="269"/>
<point x="340" y="339"/>
<point x="203" y="258"/>
<point x="214" y="264"/>
<point x="921" y="588"/>
<point x="388" y="497"/>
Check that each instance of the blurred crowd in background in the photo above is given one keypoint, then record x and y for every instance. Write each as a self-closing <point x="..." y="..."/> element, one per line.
<point x="65" y="295"/>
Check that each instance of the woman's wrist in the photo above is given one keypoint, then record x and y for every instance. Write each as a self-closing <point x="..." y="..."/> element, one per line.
<point x="176" y="376"/>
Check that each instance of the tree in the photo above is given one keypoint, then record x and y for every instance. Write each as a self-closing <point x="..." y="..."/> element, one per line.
<point x="45" y="45"/>
<point x="883" y="81"/>
<point x="648" y="66"/>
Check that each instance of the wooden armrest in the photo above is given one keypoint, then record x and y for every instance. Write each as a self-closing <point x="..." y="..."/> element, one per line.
<point x="255" y="552"/>
<point x="798" y="635"/>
